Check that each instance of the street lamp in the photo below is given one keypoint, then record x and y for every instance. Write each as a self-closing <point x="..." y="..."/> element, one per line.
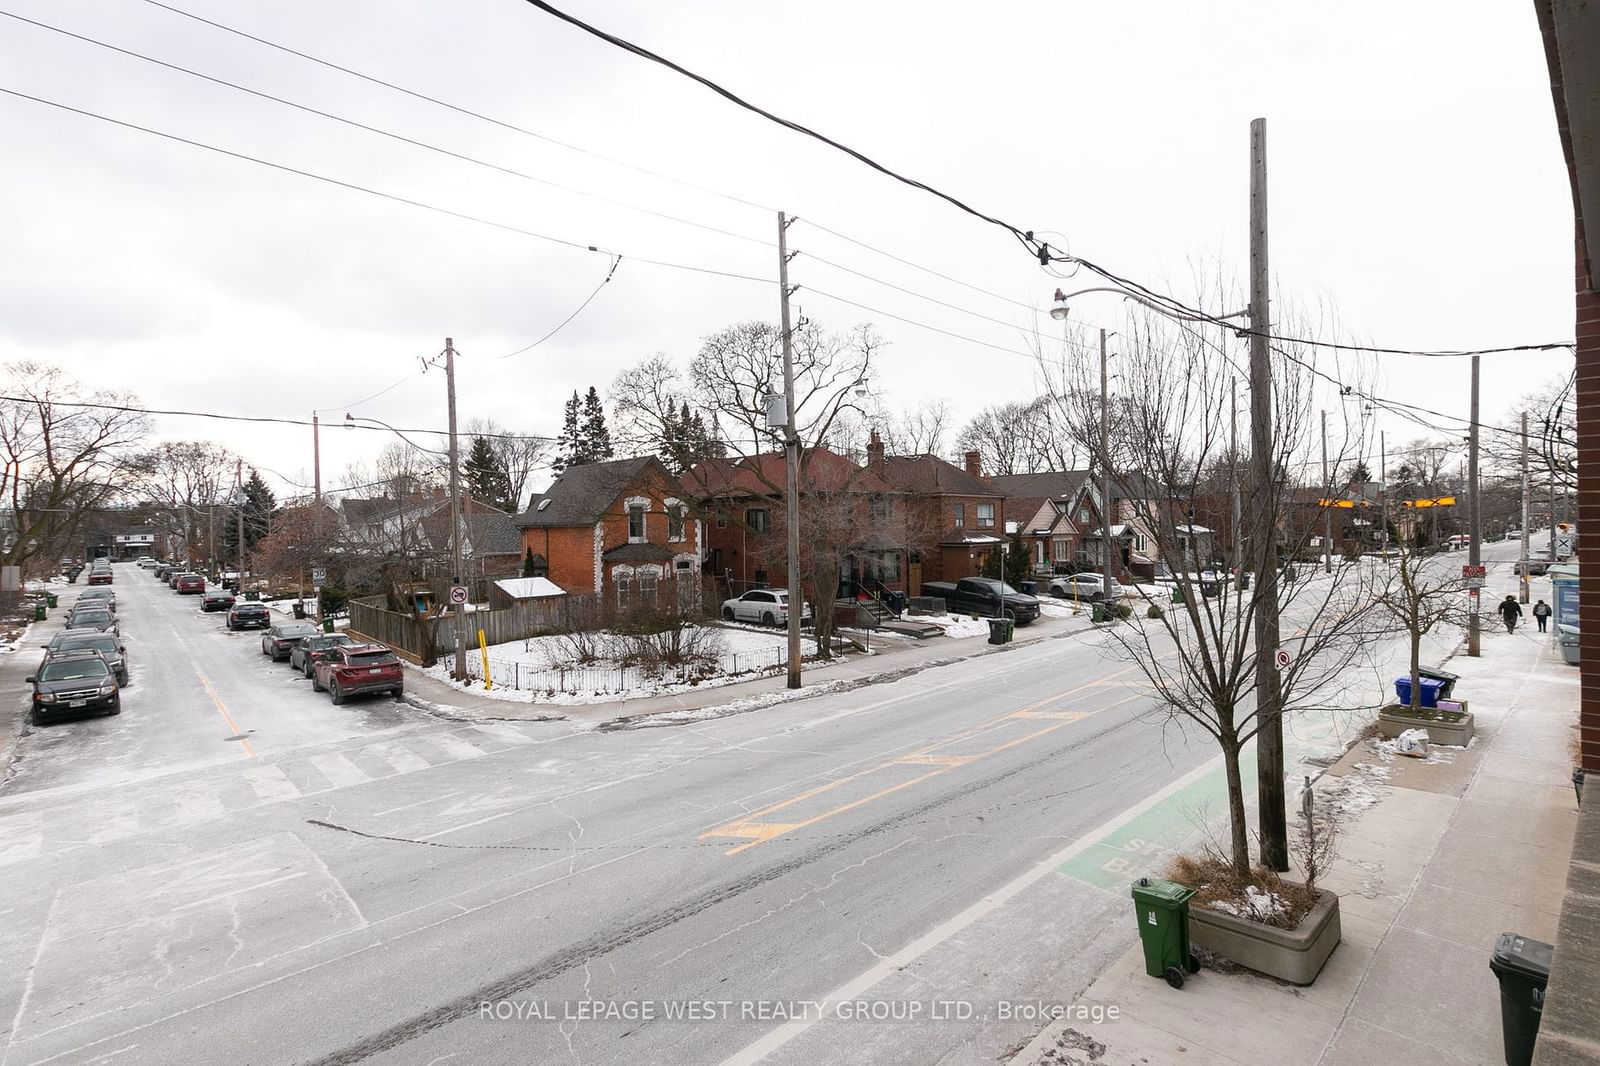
<point x="1059" y="312"/>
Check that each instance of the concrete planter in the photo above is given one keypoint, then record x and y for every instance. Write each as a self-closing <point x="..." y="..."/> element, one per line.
<point x="1394" y="720"/>
<point x="1293" y="955"/>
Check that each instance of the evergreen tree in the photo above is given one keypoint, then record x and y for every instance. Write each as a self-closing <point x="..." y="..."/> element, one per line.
<point x="529" y="567"/>
<point x="259" y="503"/>
<point x="596" y="437"/>
<point x="487" y="479"/>
<point x="1017" y="563"/>
<point x="685" y="440"/>
<point x="1359" y="474"/>
<point x="569" y="443"/>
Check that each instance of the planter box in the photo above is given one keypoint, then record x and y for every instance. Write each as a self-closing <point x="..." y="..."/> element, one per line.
<point x="1293" y="955"/>
<point x="1394" y="720"/>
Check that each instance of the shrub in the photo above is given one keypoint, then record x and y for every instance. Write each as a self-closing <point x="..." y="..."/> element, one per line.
<point x="1153" y="611"/>
<point x="1123" y="610"/>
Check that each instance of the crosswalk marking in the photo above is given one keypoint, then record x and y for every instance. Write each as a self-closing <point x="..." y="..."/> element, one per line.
<point x="21" y="836"/>
<point x="197" y="801"/>
<point x="271" y="784"/>
<point x="501" y="731"/>
<point x="455" y="747"/>
<point x="339" y="771"/>
<point x="403" y="759"/>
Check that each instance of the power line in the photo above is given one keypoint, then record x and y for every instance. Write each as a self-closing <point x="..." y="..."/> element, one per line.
<point x="603" y="282"/>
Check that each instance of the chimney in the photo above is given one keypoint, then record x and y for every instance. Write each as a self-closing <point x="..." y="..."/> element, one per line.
<point x="875" y="452"/>
<point x="974" y="465"/>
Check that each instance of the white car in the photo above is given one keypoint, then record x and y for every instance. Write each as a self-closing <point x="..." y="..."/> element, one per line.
<point x="767" y="606"/>
<point x="1085" y="587"/>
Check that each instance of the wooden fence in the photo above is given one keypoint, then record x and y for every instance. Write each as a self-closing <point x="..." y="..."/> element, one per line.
<point x="369" y="619"/>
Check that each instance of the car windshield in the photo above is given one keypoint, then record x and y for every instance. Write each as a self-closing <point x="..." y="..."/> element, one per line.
<point x="92" y="614"/>
<point x="299" y="629"/>
<point x="323" y="643"/>
<point x="105" y="644"/>
<point x="1006" y="590"/>
<point x="76" y="670"/>
<point x="371" y="658"/>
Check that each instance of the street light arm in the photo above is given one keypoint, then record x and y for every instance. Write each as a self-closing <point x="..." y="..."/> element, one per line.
<point x="1062" y="298"/>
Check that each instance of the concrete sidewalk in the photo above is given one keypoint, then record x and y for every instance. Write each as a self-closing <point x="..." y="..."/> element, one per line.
<point x="1451" y="853"/>
<point x="890" y="658"/>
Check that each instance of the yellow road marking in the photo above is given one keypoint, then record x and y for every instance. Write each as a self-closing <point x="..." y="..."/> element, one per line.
<point x="758" y="832"/>
<point x="226" y="717"/>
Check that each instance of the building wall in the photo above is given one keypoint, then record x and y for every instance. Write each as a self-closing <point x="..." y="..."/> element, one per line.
<point x="1588" y="392"/>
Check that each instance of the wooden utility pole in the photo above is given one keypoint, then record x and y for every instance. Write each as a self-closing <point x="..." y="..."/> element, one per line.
<point x="460" y="671"/>
<point x="1105" y="481"/>
<point x="1235" y="559"/>
<point x="791" y="452"/>
<point x="1271" y="813"/>
<point x="1522" y="580"/>
<point x="1474" y="524"/>
<point x="1327" y="512"/>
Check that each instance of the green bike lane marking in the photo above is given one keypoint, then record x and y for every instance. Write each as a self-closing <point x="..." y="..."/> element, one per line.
<point x="1142" y="844"/>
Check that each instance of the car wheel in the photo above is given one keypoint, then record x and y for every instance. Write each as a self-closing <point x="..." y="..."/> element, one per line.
<point x="399" y="693"/>
<point x="333" y="691"/>
<point x="116" y="706"/>
<point x="308" y="671"/>
<point x="122" y="679"/>
<point x="768" y="619"/>
<point x="316" y="686"/>
<point x="727" y="614"/>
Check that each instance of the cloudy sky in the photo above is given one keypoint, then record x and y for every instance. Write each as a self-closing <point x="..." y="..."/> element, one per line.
<point x="1417" y="190"/>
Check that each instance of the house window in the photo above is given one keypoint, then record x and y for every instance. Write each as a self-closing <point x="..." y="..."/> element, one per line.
<point x="985" y="516"/>
<point x="757" y="519"/>
<point x="1038" y="553"/>
<point x="624" y="581"/>
<point x="1063" y="548"/>
<point x="1083" y="516"/>
<point x="1139" y="543"/>
<point x="636" y="514"/>
<point x="647" y="587"/>
<point x="880" y="508"/>
<point x="675" y="516"/>
<point x="961" y="515"/>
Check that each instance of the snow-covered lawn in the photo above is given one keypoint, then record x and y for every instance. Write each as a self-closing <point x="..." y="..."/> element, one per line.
<point x="542" y="668"/>
<point x="958" y="626"/>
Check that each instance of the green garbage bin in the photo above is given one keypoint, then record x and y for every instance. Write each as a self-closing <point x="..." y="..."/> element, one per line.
<point x="1162" y="910"/>
<point x="252" y="594"/>
<point x="38" y="611"/>
<point x="50" y="599"/>
<point x="1523" y="967"/>
<point x="1100" y="612"/>
<point x="1177" y="594"/>
<point x="327" y="624"/>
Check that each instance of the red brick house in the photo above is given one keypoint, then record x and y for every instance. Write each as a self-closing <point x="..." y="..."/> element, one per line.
<point x="1041" y="508"/>
<point x="962" y="515"/>
<point x="622" y="529"/>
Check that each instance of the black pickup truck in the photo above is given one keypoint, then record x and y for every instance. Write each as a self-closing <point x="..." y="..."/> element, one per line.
<point x="982" y="596"/>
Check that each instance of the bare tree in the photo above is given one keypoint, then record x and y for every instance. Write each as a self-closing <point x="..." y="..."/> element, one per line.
<point x="519" y="454"/>
<point x="59" y="460"/>
<point x="1197" y="653"/>
<point x="1024" y="437"/>
<point x="1423" y="596"/>
<point x="187" y="479"/>
<point x="919" y="430"/>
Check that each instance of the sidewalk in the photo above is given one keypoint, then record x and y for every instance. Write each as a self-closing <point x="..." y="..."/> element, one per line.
<point x="17" y="663"/>
<point x="1451" y="853"/>
<point x="889" y="659"/>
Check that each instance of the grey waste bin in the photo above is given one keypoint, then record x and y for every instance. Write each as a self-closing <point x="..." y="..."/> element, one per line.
<point x="1568" y="637"/>
<point x="1000" y="630"/>
<point x="1523" y="968"/>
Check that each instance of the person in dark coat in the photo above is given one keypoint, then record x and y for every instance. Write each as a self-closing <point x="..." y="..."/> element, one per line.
<point x="1510" y="611"/>
<point x="1541" y="614"/>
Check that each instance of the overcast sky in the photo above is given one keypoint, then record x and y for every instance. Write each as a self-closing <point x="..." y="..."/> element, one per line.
<point x="1416" y="188"/>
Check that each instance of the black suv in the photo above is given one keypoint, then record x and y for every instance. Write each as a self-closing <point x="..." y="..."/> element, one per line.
<point x="107" y="644"/>
<point x="249" y="616"/>
<point x="76" y="682"/>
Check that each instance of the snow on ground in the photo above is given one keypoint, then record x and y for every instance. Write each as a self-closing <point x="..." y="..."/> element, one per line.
<point x="1260" y="906"/>
<point x="959" y="626"/>
<point x="16" y="639"/>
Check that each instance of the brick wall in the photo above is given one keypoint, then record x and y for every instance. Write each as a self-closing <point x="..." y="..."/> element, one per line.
<point x="1588" y="392"/>
<point x="570" y="553"/>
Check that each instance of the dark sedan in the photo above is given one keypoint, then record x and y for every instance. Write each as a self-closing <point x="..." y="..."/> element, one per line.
<point x="76" y="683"/>
<point x="100" y="596"/>
<point x="306" y="653"/>
<point x="92" y="618"/>
<point x="217" y="600"/>
<point x="249" y="616"/>
<point x="280" y="640"/>
<point x="108" y="645"/>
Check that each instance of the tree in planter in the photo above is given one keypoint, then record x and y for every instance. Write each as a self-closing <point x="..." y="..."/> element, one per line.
<point x="1422" y="597"/>
<point x="1199" y="658"/>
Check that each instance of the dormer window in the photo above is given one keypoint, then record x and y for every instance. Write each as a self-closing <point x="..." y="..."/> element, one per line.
<point x="636" y="513"/>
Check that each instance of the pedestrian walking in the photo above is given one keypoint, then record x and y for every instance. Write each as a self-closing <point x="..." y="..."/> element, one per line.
<point x="1541" y="614"/>
<point x="1510" y="611"/>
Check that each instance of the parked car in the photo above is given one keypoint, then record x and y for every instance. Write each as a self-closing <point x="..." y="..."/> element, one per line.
<point x="78" y="682"/>
<point x="249" y="616"/>
<point x="217" y="600"/>
<point x="1087" y="587"/>
<point x="102" y="596"/>
<point x="190" y="585"/>
<point x="356" y="669"/>
<point x="306" y="653"/>
<point x="985" y="596"/>
<point x="100" y="577"/>
<point x="162" y="570"/>
<point x="280" y="640"/>
<point x="109" y="645"/>
<point x="172" y="578"/>
<point x="1538" y="565"/>
<point x="92" y="618"/>
<point x="768" y="606"/>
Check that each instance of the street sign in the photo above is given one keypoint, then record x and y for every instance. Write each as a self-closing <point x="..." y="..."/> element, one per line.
<point x="1281" y="657"/>
<point x="1475" y="571"/>
<point x="1475" y="583"/>
<point x="458" y="594"/>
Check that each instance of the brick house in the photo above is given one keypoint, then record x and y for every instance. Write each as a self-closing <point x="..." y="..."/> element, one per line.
<point x="961" y="514"/>
<point x="620" y="529"/>
<point x="1040" y="506"/>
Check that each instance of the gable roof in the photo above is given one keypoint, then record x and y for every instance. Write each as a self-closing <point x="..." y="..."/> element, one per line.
<point x="492" y="533"/>
<point x="822" y="469"/>
<point x="582" y="494"/>
<point x="1042" y="485"/>
<point x="931" y="474"/>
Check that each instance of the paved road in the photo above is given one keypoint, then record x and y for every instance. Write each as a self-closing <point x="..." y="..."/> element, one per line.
<point x="356" y="883"/>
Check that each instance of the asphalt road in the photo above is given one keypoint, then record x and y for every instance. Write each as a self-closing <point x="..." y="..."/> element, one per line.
<point x="236" y="870"/>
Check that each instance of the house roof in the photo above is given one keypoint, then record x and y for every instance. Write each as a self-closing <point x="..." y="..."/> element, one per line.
<point x="1042" y="486"/>
<point x="821" y="469"/>
<point x="529" y="588"/>
<point x="582" y="494"/>
<point x="492" y="533"/>
<point x="933" y="475"/>
<point x="638" y="553"/>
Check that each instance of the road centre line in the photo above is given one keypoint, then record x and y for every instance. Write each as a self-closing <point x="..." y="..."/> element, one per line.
<point x="222" y="710"/>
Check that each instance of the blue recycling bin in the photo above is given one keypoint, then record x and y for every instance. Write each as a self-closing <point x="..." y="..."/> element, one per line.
<point x="1430" y="691"/>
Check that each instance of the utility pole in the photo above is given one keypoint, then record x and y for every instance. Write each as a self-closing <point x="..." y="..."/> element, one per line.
<point x="1552" y="514"/>
<point x="1271" y="813"/>
<point x="316" y="467"/>
<point x="1327" y="513"/>
<point x="1383" y="489"/>
<point x="1235" y="559"/>
<point x="791" y="452"/>
<point x="1474" y="527"/>
<point x="238" y="477"/>
<point x="1522" y="581"/>
<point x="460" y="673"/>
<point x="1105" y="478"/>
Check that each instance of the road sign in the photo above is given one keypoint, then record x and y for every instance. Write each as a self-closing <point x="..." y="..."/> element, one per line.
<point x="458" y="594"/>
<point x="1479" y="572"/>
<point x="1281" y="657"/>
